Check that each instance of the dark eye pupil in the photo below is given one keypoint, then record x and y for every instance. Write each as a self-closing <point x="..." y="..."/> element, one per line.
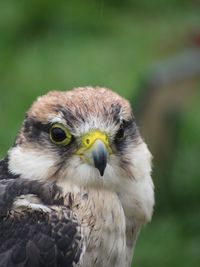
<point x="58" y="135"/>
<point x="120" y="133"/>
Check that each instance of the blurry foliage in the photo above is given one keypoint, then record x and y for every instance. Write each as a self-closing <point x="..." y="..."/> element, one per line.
<point x="176" y="237"/>
<point x="186" y="172"/>
<point x="46" y="45"/>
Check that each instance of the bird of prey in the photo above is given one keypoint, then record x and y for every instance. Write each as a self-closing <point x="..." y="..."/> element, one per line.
<point x="76" y="187"/>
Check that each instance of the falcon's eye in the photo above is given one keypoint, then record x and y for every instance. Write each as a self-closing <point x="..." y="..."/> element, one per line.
<point x="121" y="133"/>
<point x="60" y="135"/>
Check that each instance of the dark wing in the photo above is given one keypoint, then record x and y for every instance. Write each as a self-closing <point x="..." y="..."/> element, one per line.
<point x="10" y="189"/>
<point x="37" y="238"/>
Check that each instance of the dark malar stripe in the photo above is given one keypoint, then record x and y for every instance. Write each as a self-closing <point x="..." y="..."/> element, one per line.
<point x="4" y="171"/>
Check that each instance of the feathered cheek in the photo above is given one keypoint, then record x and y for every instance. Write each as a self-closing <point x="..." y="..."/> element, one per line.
<point x="121" y="166"/>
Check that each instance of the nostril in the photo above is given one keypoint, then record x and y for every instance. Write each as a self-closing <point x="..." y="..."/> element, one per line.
<point x="87" y="141"/>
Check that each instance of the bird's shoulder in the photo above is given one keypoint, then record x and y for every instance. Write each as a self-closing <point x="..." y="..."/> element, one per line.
<point x="40" y="238"/>
<point x="36" y="229"/>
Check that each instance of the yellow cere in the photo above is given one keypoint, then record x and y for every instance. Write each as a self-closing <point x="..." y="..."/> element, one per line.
<point x="88" y="140"/>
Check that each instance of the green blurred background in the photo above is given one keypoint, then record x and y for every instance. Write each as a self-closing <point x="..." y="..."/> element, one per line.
<point x="148" y="51"/>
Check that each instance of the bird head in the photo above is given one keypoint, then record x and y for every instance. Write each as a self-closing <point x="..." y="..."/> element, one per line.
<point x="87" y="135"/>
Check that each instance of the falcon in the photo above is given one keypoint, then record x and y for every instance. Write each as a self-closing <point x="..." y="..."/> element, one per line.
<point x="76" y="187"/>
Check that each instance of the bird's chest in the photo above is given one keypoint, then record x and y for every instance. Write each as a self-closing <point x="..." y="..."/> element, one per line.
<point x="103" y="220"/>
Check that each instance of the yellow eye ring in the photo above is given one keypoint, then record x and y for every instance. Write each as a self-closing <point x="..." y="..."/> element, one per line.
<point x="59" y="135"/>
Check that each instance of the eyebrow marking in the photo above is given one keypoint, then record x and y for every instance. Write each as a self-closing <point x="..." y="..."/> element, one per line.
<point x="57" y="120"/>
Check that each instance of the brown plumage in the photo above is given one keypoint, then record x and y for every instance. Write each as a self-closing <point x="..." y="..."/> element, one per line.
<point x="80" y="102"/>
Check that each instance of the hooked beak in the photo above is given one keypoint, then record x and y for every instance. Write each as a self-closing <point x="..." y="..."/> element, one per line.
<point x="100" y="155"/>
<point x="95" y="150"/>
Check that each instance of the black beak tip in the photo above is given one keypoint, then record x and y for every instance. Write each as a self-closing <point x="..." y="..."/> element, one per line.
<point x="101" y="172"/>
